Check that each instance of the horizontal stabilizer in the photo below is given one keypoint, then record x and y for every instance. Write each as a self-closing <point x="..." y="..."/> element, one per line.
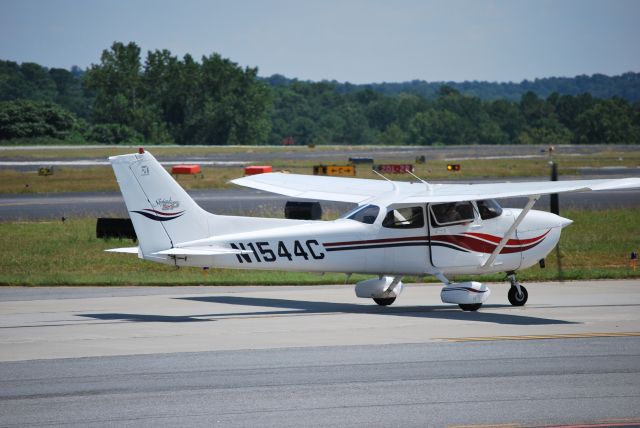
<point x="128" y="250"/>
<point x="201" y="251"/>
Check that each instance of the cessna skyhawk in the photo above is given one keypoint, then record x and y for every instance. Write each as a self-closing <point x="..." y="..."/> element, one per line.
<point x="397" y="229"/>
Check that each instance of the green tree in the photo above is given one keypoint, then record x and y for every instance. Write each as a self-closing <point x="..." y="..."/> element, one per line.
<point x="29" y="119"/>
<point x="117" y="84"/>
<point x="393" y="135"/>
<point x="436" y="127"/>
<point x="508" y="117"/>
<point x="607" y="122"/>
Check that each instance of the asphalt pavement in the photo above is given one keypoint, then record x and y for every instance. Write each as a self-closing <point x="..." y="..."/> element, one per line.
<point x="422" y="385"/>
<point x="318" y="356"/>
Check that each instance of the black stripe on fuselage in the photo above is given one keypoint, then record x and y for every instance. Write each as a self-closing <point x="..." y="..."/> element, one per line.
<point x="403" y="244"/>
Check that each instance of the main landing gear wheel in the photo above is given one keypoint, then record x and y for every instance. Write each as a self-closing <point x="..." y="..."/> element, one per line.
<point x="517" y="293"/>
<point x="472" y="307"/>
<point x="518" y="299"/>
<point x="384" y="301"/>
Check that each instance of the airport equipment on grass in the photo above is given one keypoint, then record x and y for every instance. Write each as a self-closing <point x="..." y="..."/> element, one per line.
<point x="45" y="171"/>
<point x="394" y="168"/>
<point x="257" y="169"/>
<point x="115" y="228"/>
<point x="396" y="229"/>
<point x="338" y="170"/>
<point x="357" y="160"/>
<point x="288" y="141"/>
<point x="186" y="170"/>
<point x="303" y="210"/>
<point x="453" y="167"/>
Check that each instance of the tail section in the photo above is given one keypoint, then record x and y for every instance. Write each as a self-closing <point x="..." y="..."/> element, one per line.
<point x="162" y="213"/>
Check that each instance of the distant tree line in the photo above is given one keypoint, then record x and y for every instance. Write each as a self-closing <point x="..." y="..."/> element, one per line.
<point x="626" y="86"/>
<point x="213" y="101"/>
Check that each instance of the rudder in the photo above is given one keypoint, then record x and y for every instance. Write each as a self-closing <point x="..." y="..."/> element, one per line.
<point x="162" y="213"/>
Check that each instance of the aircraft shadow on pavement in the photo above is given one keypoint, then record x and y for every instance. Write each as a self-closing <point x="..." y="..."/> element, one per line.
<point x="143" y="318"/>
<point x="303" y="307"/>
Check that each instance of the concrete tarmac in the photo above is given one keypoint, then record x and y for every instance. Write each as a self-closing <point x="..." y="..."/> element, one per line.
<point x="318" y="356"/>
<point x="164" y="320"/>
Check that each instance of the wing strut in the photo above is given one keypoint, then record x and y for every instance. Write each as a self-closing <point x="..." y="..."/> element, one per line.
<point x="511" y="231"/>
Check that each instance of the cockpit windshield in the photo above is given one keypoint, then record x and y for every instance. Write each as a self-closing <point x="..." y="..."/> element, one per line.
<point x="366" y="214"/>
<point x="489" y="208"/>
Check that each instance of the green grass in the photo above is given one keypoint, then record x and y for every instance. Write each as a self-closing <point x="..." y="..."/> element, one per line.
<point x="596" y="246"/>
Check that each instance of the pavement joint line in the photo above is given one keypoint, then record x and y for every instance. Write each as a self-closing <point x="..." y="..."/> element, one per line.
<point x="596" y="424"/>
<point x="486" y="426"/>
<point x="539" y="337"/>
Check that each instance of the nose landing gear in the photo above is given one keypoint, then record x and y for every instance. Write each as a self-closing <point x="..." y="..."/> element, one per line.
<point x="517" y="293"/>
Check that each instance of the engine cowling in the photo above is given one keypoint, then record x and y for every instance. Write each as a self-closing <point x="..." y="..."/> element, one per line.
<point x="465" y="293"/>
<point x="378" y="288"/>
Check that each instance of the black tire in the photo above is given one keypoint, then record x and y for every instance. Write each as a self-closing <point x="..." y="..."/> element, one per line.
<point x="384" y="301"/>
<point x="472" y="307"/>
<point x="515" y="299"/>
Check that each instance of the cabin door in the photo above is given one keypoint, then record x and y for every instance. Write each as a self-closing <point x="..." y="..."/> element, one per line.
<point x="452" y="242"/>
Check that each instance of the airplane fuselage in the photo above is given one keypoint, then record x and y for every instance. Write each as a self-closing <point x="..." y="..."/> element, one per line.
<point x="351" y="246"/>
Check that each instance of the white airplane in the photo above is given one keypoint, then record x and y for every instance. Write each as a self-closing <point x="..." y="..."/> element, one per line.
<point x="397" y="229"/>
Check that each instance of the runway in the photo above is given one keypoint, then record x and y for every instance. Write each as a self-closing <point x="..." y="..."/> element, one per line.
<point x="249" y="202"/>
<point x="318" y="356"/>
<point x="251" y="154"/>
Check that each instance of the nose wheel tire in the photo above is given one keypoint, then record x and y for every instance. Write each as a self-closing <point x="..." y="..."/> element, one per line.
<point x="384" y="301"/>
<point x="470" y="307"/>
<point x="518" y="299"/>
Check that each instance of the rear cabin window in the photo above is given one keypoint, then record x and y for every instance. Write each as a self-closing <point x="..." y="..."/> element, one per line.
<point x="404" y="218"/>
<point x="366" y="214"/>
<point x="489" y="208"/>
<point x="451" y="213"/>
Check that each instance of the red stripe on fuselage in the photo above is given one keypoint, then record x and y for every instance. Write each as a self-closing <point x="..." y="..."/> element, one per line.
<point x="497" y="239"/>
<point x="479" y="246"/>
<point x="471" y="241"/>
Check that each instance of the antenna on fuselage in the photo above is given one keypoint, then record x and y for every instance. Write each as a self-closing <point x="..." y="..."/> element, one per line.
<point x="429" y="186"/>
<point x="395" y="186"/>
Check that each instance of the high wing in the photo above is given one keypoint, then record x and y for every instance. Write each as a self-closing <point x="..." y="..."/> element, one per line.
<point x="472" y="192"/>
<point x="358" y="190"/>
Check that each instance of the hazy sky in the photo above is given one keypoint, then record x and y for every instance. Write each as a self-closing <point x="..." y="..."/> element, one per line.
<point x="358" y="41"/>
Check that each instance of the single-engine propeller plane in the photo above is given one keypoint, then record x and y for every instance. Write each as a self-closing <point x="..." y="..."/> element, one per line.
<point x="397" y="229"/>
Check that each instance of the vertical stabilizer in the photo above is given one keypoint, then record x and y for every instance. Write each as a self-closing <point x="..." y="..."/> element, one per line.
<point x="162" y="213"/>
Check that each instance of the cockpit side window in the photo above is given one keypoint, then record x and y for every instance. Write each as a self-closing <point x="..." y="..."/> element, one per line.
<point x="404" y="218"/>
<point x="451" y="213"/>
<point x="489" y="208"/>
<point x="366" y="214"/>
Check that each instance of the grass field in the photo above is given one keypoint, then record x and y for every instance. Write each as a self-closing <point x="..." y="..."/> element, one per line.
<point x="597" y="245"/>
<point x="101" y="179"/>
